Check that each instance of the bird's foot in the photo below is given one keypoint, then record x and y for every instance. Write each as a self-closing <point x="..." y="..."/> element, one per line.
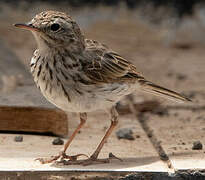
<point x="89" y="161"/>
<point x="62" y="156"/>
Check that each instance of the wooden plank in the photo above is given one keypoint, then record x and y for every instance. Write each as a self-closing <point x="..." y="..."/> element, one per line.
<point x="33" y="119"/>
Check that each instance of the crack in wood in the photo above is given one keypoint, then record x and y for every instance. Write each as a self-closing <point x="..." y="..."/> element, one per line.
<point x="149" y="132"/>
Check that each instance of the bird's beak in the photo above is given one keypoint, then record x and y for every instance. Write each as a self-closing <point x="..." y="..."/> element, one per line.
<point x="27" y="26"/>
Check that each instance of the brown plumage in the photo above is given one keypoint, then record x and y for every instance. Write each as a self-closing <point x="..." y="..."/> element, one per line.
<point x="111" y="67"/>
<point x="82" y="75"/>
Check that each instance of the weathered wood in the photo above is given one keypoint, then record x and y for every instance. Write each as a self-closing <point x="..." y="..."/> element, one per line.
<point x="22" y="107"/>
<point x="33" y="119"/>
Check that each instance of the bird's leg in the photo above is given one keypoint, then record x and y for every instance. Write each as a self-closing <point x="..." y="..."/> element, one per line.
<point x="83" y="118"/>
<point x="62" y="154"/>
<point x="93" y="158"/>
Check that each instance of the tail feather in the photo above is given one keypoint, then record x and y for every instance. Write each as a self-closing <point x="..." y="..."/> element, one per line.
<point x="161" y="91"/>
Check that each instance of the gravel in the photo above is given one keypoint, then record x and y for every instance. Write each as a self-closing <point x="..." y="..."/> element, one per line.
<point x="58" y="141"/>
<point x="125" y="133"/>
<point x="197" y="145"/>
<point x="18" y="139"/>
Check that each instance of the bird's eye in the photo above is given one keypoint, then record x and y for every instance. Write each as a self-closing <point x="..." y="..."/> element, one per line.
<point x="55" y="27"/>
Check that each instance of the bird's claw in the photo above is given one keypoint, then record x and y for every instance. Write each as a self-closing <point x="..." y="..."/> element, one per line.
<point x="89" y="161"/>
<point x="72" y="158"/>
<point x="62" y="157"/>
<point x="48" y="160"/>
<point x="112" y="156"/>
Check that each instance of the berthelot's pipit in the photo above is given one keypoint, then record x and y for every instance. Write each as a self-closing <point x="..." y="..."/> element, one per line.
<point x="82" y="75"/>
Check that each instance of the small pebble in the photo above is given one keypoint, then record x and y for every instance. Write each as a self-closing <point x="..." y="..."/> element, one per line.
<point x="149" y="134"/>
<point x="125" y="133"/>
<point x="58" y="141"/>
<point x="137" y="136"/>
<point x="197" y="145"/>
<point x="163" y="156"/>
<point x="170" y="74"/>
<point x="181" y="76"/>
<point x="18" y="139"/>
<point x="176" y="114"/>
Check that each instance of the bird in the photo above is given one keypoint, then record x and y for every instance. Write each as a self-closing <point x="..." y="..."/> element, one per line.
<point x="82" y="75"/>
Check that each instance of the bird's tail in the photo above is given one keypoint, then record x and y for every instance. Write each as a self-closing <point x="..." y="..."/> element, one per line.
<point x="152" y="88"/>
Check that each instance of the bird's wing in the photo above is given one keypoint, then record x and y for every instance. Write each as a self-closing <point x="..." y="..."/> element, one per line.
<point x="106" y="66"/>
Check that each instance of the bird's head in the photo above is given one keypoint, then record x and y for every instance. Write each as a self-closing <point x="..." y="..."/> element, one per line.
<point x="54" y="29"/>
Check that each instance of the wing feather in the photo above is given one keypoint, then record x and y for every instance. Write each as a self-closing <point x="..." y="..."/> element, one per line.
<point x="109" y="66"/>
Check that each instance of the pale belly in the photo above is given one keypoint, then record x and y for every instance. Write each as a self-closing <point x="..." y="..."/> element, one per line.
<point x="94" y="99"/>
<point x="70" y="95"/>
